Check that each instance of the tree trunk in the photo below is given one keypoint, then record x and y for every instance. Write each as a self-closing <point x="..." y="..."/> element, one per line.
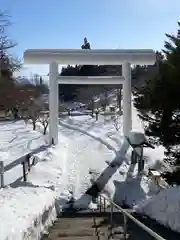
<point x="92" y="108"/>
<point x="119" y="96"/>
<point x="34" y="125"/>
<point x="97" y="116"/>
<point x="45" y="129"/>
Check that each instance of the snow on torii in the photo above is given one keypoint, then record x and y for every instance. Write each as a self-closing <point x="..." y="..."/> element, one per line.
<point x="53" y="57"/>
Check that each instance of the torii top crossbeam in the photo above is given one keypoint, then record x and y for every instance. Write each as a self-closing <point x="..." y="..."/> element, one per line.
<point x="90" y="57"/>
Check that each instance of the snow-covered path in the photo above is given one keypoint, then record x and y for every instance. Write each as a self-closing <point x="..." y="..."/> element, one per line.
<point x="86" y="153"/>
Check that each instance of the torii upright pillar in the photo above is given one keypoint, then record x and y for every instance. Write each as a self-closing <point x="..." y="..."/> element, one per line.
<point x="53" y="103"/>
<point x="127" y="108"/>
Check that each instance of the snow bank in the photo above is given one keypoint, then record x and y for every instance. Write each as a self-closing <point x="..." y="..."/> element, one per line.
<point x="163" y="207"/>
<point x="26" y="212"/>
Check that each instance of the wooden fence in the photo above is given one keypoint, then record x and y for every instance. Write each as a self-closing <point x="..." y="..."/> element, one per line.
<point x="27" y="161"/>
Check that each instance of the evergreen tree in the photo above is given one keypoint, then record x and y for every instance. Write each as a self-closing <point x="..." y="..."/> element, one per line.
<point x="86" y="44"/>
<point x="158" y="100"/>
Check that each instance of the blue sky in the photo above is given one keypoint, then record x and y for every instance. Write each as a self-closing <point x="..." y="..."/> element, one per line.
<point x="106" y="24"/>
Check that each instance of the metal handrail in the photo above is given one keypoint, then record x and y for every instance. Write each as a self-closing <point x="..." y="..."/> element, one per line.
<point x="135" y="220"/>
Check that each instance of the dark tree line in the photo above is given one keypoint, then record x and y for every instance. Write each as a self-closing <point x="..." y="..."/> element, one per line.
<point x="158" y="99"/>
<point x="72" y="92"/>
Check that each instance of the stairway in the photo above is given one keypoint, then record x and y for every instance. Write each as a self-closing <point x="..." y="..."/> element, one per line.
<point x="78" y="226"/>
<point x="96" y="226"/>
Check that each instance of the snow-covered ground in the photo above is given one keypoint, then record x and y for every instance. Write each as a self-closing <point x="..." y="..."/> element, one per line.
<point x="86" y="148"/>
<point x="17" y="139"/>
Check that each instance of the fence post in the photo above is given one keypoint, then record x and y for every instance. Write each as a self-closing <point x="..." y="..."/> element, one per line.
<point x="2" y="173"/>
<point x="28" y="162"/>
<point x="34" y="161"/>
<point x="24" y="171"/>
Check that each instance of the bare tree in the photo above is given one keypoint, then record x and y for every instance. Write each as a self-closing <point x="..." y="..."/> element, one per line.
<point x="44" y="120"/>
<point x="8" y="63"/>
<point x="25" y="99"/>
<point x="104" y="101"/>
<point x="36" y="79"/>
<point x="34" y="114"/>
<point x="97" y="111"/>
<point x="86" y="95"/>
<point x="91" y="106"/>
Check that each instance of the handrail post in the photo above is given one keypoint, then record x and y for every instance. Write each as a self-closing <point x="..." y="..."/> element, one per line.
<point x="100" y="203"/>
<point x="125" y="226"/>
<point x="140" y="161"/>
<point x="111" y="219"/>
<point x="104" y="204"/>
<point x="2" y="174"/>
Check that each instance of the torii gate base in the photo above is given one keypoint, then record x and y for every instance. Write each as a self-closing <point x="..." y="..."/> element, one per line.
<point x="53" y="57"/>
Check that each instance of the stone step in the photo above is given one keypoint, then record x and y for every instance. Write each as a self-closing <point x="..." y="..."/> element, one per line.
<point x="118" y="230"/>
<point x="66" y="223"/>
<point x="79" y="231"/>
<point x="76" y="226"/>
<point x="85" y="214"/>
<point x="78" y="238"/>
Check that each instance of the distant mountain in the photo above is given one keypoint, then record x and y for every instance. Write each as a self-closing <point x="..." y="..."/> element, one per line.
<point x="24" y="81"/>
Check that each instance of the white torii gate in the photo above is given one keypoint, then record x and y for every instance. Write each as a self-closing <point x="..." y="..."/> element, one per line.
<point x="53" y="57"/>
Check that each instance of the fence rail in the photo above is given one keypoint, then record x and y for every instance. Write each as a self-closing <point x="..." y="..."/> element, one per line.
<point x="27" y="161"/>
<point x="126" y="215"/>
